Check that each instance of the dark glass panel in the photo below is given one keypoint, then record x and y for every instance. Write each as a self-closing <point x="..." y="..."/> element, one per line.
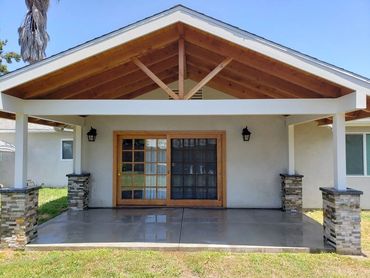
<point x="177" y="168"/>
<point x="212" y="181"/>
<point x="201" y="193"/>
<point x="212" y="194"/>
<point x="188" y="193"/>
<point x="211" y="168"/>
<point x="127" y="144"/>
<point x="127" y="168"/>
<point x="177" y="156"/>
<point x="177" y="180"/>
<point x="138" y="194"/>
<point x="127" y="157"/>
<point x="139" y="168"/>
<point x="139" y="144"/>
<point x="139" y="156"/>
<point x="211" y="156"/>
<point x="177" y="144"/>
<point x="189" y="180"/>
<point x="201" y="180"/>
<point x="126" y="194"/>
<point x="176" y="193"/>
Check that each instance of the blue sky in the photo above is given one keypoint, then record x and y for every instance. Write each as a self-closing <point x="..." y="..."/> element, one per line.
<point x="336" y="31"/>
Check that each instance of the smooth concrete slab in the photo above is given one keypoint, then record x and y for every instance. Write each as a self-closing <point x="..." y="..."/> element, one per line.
<point x="181" y="229"/>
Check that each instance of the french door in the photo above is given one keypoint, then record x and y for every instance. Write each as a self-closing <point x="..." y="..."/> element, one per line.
<point x="169" y="168"/>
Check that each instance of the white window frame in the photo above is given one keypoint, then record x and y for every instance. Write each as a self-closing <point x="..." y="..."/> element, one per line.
<point x="61" y="149"/>
<point x="364" y="154"/>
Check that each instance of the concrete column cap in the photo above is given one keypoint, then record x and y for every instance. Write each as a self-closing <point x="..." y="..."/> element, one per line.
<point x="19" y="190"/>
<point x="334" y="191"/>
<point x="291" y="176"/>
<point x="78" y="175"/>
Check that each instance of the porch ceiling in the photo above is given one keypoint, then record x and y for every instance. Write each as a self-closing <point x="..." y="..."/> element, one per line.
<point x="113" y="74"/>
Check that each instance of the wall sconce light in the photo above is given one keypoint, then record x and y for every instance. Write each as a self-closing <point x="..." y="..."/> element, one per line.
<point x="91" y="135"/>
<point x="246" y="134"/>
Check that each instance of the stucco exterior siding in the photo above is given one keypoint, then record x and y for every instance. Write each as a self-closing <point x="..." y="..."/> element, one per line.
<point x="252" y="168"/>
<point x="45" y="165"/>
<point x="314" y="160"/>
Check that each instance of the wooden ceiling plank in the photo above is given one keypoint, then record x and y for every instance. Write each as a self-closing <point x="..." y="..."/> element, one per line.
<point x="138" y="75"/>
<point x="110" y="75"/>
<point x="157" y="80"/>
<point x="220" y="84"/>
<point x="208" y="77"/>
<point x="253" y="74"/>
<point x="11" y="116"/>
<point x="140" y="84"/>
<point x="262" y="63"/>
<point x="147" y="89"/>
<point x="98" y="63"/>
<point x="241" y="80"/>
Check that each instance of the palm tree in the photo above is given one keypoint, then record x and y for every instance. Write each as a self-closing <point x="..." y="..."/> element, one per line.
<point x="33" y="37"/>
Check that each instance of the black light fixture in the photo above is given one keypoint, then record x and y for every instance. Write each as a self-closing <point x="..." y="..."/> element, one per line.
<point x="91" y="135"/>
<point x="246" y="134"/>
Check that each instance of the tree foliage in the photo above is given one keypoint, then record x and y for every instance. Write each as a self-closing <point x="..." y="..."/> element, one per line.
<point x="7" y="57"/>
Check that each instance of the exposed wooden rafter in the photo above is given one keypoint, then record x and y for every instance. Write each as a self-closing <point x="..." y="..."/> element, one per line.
<point x="209" y="76"/>
<point x="159" y="82"/>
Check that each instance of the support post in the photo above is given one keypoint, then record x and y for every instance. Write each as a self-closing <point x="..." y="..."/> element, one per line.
<point x="291" y="162"/>
<point x="21" y="142"/>
<point x="339" y="143"/>
<point x="77" y="150"/>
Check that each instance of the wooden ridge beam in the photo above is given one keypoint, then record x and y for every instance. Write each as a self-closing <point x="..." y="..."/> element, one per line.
<point x="157" y="80"/>
<point x="208" y="77"/>
<point x="182" y="62"/>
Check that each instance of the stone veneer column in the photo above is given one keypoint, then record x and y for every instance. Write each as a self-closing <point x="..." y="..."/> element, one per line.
<point x="342" y="219"/>
<point x="18" y="216"/>
<point x="291" y="192"/>
<point x="78" y="191"/>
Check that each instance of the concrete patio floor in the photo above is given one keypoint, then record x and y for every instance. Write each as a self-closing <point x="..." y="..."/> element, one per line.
<point x="182" y="229"/>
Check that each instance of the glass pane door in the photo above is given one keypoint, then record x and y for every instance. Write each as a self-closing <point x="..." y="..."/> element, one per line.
<point x="143" y="169"/>
<point x="194" y="169"/>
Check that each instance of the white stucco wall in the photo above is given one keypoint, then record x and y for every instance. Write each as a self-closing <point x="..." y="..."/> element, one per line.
<point x="45" y="165"/>
<point x="314" y="159"/>
<point x="252" y="167"/>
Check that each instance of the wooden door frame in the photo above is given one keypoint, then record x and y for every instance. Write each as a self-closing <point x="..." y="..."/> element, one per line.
<point x="221" y="165"/>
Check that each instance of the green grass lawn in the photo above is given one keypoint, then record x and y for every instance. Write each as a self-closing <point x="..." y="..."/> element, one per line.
<point x="121" y="263"/>
<point x="52" y="201"/>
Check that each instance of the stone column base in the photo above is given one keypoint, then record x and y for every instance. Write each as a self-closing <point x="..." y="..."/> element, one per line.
<point x="291" y="192"/>
<point x="18" y="216"/>
<point x="342" y="219"/>
<point x="78" y="191"/>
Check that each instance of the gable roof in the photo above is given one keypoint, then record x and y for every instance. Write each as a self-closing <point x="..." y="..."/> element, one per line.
<point x="180" y="14"/>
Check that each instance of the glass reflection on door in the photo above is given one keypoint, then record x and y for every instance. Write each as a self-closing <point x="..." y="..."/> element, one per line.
<point x="194" y="169"/>
<point x="143" y="169"/>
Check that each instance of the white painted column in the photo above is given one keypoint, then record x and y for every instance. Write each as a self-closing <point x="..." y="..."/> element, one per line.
<point x="339" y="142"/>
<point x="21" y="144"/>
<point x="291" y="163"/>
<point x="77" y="150"/>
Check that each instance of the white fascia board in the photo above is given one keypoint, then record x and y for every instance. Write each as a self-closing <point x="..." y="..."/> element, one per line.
<point x="10" y="103"/>
<point x="197" y="20"/>
<point x="273" y="50"/>
<point x="352" y="102"/>
<point x="191" y="107"/>
<point x="87" y="50"/>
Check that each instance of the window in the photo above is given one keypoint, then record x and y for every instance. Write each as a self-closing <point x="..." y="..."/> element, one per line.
<point x="67" y="149"/>
<point x="358" y="154"/>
